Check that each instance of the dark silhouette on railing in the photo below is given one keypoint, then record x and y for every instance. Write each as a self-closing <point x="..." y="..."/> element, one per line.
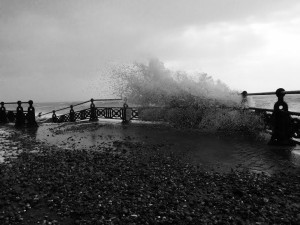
<point x="20" y="117"/>
<point x="284" y="127"/>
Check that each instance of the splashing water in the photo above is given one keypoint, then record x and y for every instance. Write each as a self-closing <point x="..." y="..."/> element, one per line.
<point x="186" y="100"/>
<point x="153" y="84"/>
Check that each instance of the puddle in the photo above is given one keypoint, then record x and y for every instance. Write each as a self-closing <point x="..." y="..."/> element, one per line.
<point x="217" y="150"/>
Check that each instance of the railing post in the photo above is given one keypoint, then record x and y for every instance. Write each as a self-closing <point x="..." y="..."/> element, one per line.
<point x="20" y="117"/>
<point x="31" y="115"/>
<point x="126" y="112"/>
<point x="3" y="116"/>
<point x="244" y="102"/>
<point x="54" y="117"/>
<point x="282" y="127"/>
<point x="93" y="114"/>
<point x="72" y="114"/>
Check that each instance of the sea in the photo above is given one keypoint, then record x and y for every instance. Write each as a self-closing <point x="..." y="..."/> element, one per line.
<point x="268" y="101"/>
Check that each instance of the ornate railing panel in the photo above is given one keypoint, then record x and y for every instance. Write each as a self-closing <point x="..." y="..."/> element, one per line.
<point x="110" y="112"/>
<point x="101" y="112"/>
<point x="135" y="114"/>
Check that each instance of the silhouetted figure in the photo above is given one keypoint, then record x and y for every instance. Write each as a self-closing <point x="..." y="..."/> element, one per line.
<point x="93" y="116"/>
<point x="20" y="117"/>
<point x="31" y="115"/>
<point x="54" y="117"/>
<point x="72" y="114"/>
<point x="282" y="131"/>
<point x="3" y="116"/>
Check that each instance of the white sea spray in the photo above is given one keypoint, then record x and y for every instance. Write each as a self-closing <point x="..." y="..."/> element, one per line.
<point x="185" y="100"/>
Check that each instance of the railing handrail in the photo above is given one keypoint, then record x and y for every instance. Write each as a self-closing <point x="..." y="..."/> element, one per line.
<point x="273" y="93"/>
<point x="111" y="107"/>
<point x="107" y="99"/>
<point x="63" y="108"/>
<point x="10" y="103"/>
<point x="15" y="111"/>
<point x="94" y="100"/>
<point x="272" y="110"/>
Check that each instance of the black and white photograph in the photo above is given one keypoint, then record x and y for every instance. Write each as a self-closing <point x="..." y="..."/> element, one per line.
<point x="148" y="112"/>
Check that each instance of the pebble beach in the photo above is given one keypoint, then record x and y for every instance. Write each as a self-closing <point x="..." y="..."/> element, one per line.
<point x="125" y="181"/>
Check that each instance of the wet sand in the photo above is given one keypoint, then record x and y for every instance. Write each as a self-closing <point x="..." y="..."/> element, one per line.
<point x="106" y="173"/>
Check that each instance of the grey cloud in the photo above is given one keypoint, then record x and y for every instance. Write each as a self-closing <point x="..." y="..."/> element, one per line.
<point x="71" y="38"/>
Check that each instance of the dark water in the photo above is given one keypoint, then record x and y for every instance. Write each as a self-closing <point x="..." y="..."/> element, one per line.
<point x="218" y="151"/>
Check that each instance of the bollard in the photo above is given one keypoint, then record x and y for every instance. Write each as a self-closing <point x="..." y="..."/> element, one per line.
<point x="93" y="114"/>
<point x="54" y="117"/>
<point x="72" y="114"/>
<point x="3" y="116"/>
<point x="31" y="115"/>
<point x="282" y="124"/>
<point x="20" y="118"/>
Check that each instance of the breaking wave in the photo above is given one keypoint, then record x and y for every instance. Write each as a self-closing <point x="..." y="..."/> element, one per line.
<point x="182" y="99"/>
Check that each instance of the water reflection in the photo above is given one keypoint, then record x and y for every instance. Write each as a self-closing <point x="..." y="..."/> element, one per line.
<point x="220" y="150"/>
<point x="295" y="157"/>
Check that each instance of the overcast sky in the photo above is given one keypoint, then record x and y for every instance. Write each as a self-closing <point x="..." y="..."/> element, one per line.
<point x="54" y="50"/>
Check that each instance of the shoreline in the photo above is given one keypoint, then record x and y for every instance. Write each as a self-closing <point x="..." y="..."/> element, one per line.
<point x="134" y="183"/>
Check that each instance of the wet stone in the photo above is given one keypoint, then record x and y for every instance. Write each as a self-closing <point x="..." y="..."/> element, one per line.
<point x="144" y="186"/>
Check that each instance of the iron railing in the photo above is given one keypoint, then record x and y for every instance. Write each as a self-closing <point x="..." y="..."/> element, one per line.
<point x="20" y="117"/>
<point x="285" y="125"/>
<point x="279" y="119"/>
